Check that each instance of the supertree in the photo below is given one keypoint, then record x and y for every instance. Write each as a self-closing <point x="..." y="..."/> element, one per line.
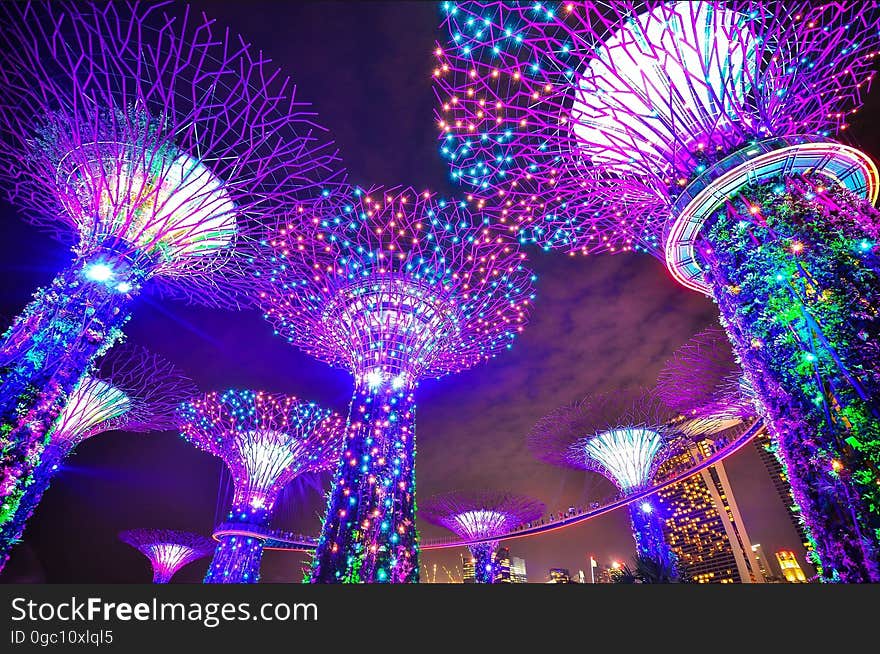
<point x="701" y="132"/>
<point x="481" y="515"/>
<point x="266" y="440"/>
<point x="151" y="143"/>
<point x="703" y="382"/>
<point x="625" y="436"/>
<point x="131" y="390"/>
<point x="394" y="286"/>
<point x="167" y="550"/>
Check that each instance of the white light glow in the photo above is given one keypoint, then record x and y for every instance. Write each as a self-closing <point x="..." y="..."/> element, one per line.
<point x="168" y="203"/>
<point x="627" y="454"/>
<point x="672" y="78"/>
<point x="480" y="523"/>
<point x="99" y="272"/>
<point x="92" y="402"/>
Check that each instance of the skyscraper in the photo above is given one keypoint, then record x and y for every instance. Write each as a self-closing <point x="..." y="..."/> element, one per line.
<point x="518" y="570"/>
<point x="703" y="524"/>
<point x="502" y="566"/>
<point x="761" y="563"/>
<point x="791" y="569"/>
<point x="468" y="575"/>
<point x="780" y="482"/>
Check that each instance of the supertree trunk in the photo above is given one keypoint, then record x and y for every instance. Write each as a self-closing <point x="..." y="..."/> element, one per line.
<point x="162" y="576"/>
<point x="369" y="533"/>
<point x="237" y="557"/>
<point x="43" y="356"/>
<point x="484" y="566"/>
<point x="647" y="528"/>
<point x="793" y="267"/>
<point x="12" y="530"/>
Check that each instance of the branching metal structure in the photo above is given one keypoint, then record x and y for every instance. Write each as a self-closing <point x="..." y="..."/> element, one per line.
<point x="624" y="436"/>
<point x="168" y="551"/>
<point x="703" y="382"/>
<point x="481" y="514"/>
<point x="394" y="285"/>
<point x="152" y="144"/>
<point x="132" y="390"/>
<point x="266" y="440"/>
<point x="703" y="132"/>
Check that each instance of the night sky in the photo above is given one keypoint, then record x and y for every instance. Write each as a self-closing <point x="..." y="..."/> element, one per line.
<point x="599" y="323"/>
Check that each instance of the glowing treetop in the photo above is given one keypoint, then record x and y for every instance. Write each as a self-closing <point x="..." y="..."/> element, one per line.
<point x="483" y="514"/>
<point x="624" y="436"/>
<point x="153" y="139"/>
<point x="167" y="550"/>
<point x="265" y="440"/>
<point x="395" y="285"/>
<point x="583" y="121"/>
<point x="132" y="390"/>
<point x="702" y="381"/>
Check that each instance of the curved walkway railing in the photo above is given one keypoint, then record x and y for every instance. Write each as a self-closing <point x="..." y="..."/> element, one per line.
<point x="282" y="540"/>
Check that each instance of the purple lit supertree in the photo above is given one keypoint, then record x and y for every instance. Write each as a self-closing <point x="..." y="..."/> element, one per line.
<point x="701" y="132"/>
<point x="152" y="144"/>
<point x="481" y="515"/>
<point x="703" y="382"/>
<point x="393" y="286"/>
<point x="132" y="390"/>
<point x="266" y="440"/>
<point x="625" y="437"/>
<point x="167" y="550"/>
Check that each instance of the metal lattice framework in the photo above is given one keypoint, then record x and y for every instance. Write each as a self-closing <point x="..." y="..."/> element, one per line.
<point x="394" y="285"/>
<point x="133" y="390"/>
<point x="265" y="439"/>
<point x="581" y="122"/>
<point x="397" y="282"/>
<point x="624" y="436"/>
<point x="167" y="550"/>
<point x="703" y="382"/>
<point x="158" y="140"/>
<point x="480" y="514"/>
<point x="155" y="144"/>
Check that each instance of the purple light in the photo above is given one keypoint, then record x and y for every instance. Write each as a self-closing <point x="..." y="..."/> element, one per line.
<point x="156" y="145"/>
<point x="703" y="133"/>
<point x="266" y="440"/>
<point x="394" y="285"/>
<point x="703" y="382"/>
<point x="132" y="390"/>
<point x="483" y="514"/>
<point x="168" y="551"/>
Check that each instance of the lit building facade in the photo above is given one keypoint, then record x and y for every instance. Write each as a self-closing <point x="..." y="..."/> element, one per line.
<point x="703" y="524"/>
<point x="468" y="569"/>
<point x="762" y="565"/>
<point x="518" y="570"/>
<point x="790" y="567"/>
<point x="559" y="576"/>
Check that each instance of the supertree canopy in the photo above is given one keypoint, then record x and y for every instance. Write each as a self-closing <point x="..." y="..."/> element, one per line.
<point x="702" y="131"/>
<point x="152" y="144"/>
<point x="167" y="550"/>
<point x="624" y="436"/>
<point x="394" y="286"/>
<point x="703" y="382"/>
<point x="131" y="390"/>
<point x="481" y="515"/>
<point x="266" y="440"/>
